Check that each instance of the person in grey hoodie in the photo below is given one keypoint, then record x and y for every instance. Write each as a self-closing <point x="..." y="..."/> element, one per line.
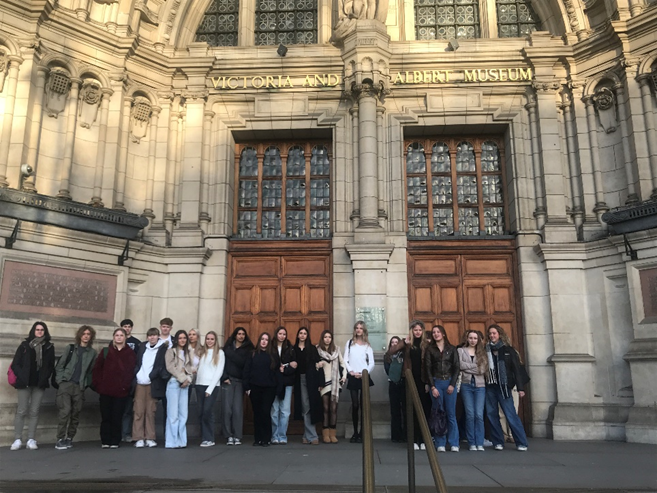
<point x="145" y="405"/>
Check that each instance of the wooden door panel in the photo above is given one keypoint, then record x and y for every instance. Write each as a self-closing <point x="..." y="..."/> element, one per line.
<point x="422" y="300"/>
<point x="305" y="267"/>
<point x="430" y="266"/>
<point x="292" y="300"/>
<point x="318" y="299"/>
<point x="475" y="300"/>
<point x="268" y="300"/>
<point x="502" y="298"/>
<point x="486" y="266"/>
<point x="454" y="330"/>
<point x="449" y="299"/>
<point x="242" y="299"/>
<point x="259" y="267"/>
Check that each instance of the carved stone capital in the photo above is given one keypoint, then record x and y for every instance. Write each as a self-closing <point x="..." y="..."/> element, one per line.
<point x="193" y="95"/>
<point x="367" y="89"/>
<point x="552" y="86"/>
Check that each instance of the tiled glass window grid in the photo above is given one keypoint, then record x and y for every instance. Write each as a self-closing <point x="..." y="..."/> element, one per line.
<point x="515" y="18"/>
<point x="446" y="19"/>
<point x="305" y="212"/>
<point x="285" y="21"/>
<point x="220" y="23"/>
<point x="464" y="180"/>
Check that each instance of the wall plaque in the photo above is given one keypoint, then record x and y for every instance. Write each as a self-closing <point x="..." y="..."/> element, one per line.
<point x="649" y="294"/>
<point x="42" y="290"/>
<point x="375" y="321"/>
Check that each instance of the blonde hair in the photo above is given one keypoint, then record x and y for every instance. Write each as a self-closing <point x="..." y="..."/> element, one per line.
<point x="203" y="350"/>
<point x="365" y="337"/>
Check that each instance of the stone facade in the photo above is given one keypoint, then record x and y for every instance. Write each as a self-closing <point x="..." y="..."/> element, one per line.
<point x="114" y="103"/>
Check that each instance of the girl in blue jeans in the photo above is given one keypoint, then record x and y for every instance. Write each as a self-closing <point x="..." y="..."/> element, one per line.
<point x="441" y="367"/>
<point x="474" y="365"/>
<point x="503" y="375"/>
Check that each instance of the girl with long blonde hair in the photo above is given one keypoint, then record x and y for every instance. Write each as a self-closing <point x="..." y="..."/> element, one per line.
<point x="210" y="369"/>
<point x="358" y="356"/>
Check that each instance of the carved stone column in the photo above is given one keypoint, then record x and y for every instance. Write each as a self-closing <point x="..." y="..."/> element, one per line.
<point x="651" y="134"/>
<point x="573" y="165"/>
<point x="122" y="157"/>
<point x="600" y="204"/>
<point x="11" y="83"/>
<point x="204" y="216"/>
<point x="172" y="147"/>
<point x="152" y="150"/>
<point x="632" y="195"/>
<point x="540" y="211"/>
<point x="69" y="141"/>
<point x="97" y="200"/>
<point x="31" y="146"/>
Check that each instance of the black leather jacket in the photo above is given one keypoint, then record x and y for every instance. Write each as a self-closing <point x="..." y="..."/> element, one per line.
<point x="443" y="366"/>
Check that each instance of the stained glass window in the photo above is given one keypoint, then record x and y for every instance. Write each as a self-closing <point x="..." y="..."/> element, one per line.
<point x="515" y="18"/>
<point x="454" y="189"/>
<point x="220" y="23"/>
<point x="290" y="22"/>
<point x="446" y="19"/>
<point x="283" y="191"/>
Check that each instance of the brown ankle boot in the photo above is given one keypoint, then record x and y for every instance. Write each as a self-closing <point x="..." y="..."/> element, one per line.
<point x="332" y="436"/>
<point x="325" y="435"/>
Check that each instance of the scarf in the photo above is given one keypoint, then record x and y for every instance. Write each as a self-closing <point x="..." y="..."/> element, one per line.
<point x="501" y="367"/>
<point x="334" y="359"/>
<point x="37" y="345"/>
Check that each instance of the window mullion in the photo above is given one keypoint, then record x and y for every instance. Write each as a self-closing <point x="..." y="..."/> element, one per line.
<point x="428" y="151"/>
<point x="307" y="156"/>
<point x="480" y="193"/>
<point x="236" y="201"/>
<point x="284" y="153"/>
<point x="504" y="195"/>
<point x="261" y="158"/>
<point x="455" y="197"/>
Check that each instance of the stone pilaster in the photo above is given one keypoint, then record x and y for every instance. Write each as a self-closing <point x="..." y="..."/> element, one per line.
<point x="97" y="200"/>
<point x="69" y="141"/>
<point x="31" y="144"/>
<point x="11" y="82"/>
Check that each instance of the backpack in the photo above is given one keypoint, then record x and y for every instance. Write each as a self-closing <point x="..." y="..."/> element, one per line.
<point x="396" y="368"/>
<point x="53" y="378"/>
<point x="438" y="421"/>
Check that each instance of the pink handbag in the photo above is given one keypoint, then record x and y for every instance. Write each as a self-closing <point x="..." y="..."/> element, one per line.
<point x="11" y="376"/>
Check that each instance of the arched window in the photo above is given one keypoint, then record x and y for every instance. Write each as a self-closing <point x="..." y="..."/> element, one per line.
<point x="446" y="19"/>
<point x="515" y="18"/>
<point x="220" y="23"/>
<point x="285" y="21"/>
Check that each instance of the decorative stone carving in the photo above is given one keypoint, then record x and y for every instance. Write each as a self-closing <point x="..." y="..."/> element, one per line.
<point x="605" y="105"/>
<point x="546" y="86"/>
<point x="141" y="115"/>
<point x="351" y="11"/>
<point x="367" y="89"/>
<point x="57" y="88"/>
<point x="90" y="96"/>
<point x="4" y="66"/>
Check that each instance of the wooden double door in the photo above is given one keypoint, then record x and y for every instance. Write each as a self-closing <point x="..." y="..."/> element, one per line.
<point x="464" y="288"/>
<point x="273" y="284"/>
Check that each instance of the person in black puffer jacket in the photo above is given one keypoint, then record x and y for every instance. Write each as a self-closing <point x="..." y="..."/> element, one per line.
<point x="260" y="384"/>
<point x="237" y="350"/>
<point x="33" y="365"/>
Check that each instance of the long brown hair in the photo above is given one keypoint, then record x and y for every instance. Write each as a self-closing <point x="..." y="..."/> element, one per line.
<point x="443" y="332"/>
<point x="505" y="338"/>
<point x="78" y="335"/>
<point x="331" y="347"/>
<point x="267" y="350"/>
<point x="480" y="349"/>
<point x="203" y="350"/>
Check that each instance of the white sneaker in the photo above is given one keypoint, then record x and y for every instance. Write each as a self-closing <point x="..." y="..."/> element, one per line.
<point x="31" y="444"/>
<point x="499" y="446"/>
<point x="415" y="446"/>
<point x="230" y="441"/>
<point x="16" y="445"/>
<point x="487" y="443"/>
<point x="520" y="448"/>
<point x="237" y="441"/>
<point x="440" y="449"/>
<point x="454" y="449"/>
<point x="473" y="448"/>
<point x="207" y="443"/>
<point x="422" y="447"/>
<point x="140" y="444"/>
<point x="151" y="443"/>
<point x="480" y="448"/>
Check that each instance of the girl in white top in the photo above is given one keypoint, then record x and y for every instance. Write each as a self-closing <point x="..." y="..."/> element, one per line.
<point x="358" y="356"/>
<point x="210" y="369"/>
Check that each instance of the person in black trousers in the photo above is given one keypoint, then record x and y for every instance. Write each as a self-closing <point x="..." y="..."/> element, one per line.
<point x="396" y="393"/>
<point x="260" y="385"/>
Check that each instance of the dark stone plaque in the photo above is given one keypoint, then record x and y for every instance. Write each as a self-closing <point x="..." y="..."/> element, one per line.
<point x="39" y="289"/>
<point x="649" y="293"/>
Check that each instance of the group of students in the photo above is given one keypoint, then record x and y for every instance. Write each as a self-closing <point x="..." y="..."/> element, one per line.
<point x="131" y="376"/>
<point x="482" y="372"/>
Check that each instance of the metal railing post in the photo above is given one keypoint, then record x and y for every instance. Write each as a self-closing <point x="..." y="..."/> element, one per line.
<point x="410" y="439"/>
<point x="437" y="473"/>
<point x="368" y="443"/>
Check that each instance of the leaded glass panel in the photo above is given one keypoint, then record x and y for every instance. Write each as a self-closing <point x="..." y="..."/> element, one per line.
<point x="441" y="189"/>
<point x="249" y="162"/>
<point x="246" y="224"/>
<point x="418" y="222"/>
<point x="248" y="193"/>
<point x="516" y="18"/>
<point x="271" y="163"/>
<point x="490" y="157"/>
<point x="491" y="189"/>
<point x="295" y="195"/>
<point x="320" y="193"/>
<point x="319" y="161"/>
<point x="271" y="224"/>
<point x="494" y="220"/>
<point x="443" y="222"/>
<point x="416" y="189"/>
<point x="272" y="193"/>
<point x="295" y="224"/>
<point x="416" y="161"/>
<point x="465" y="158"/>
<point x="469" y="221"/>
<point x="446" y="19"/>
<point x="440" y="162"/>
<point x="320" y="224"/>
<point x="296" y="162"/>
<point x="286" y="21"/>
<point x="219" y="25"/>
<point x="466" y="189"/>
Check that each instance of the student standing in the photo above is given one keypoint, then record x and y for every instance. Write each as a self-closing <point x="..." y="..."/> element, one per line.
<point x="286" y="362"/>
<point x="441" y="365"/>
<point x="179" y="363"/>
<point x="237" y="350"/>
<point x="358" y="357"/>
<point x="33" y="365"/>
<point x="473" y="363"/>
<point x="307" y="401"/>
<point x="335" y="374"/>
<point x="394" y="358"/>
<point x="503" y="375"/>
<point x="145" y="403"/>
<point x="113" y="375"/>
<point x="73" y="375"/>
<point x="210" y="369"/>
<point x="133" y="343"/>
<point x="260" y="384"/>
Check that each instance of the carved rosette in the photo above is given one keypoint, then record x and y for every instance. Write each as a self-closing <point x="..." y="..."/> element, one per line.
<point x="604" y="101"/>
<point x="90" y="97"/>
<point x="139" y="118"/>
<point x="57" y="89"/>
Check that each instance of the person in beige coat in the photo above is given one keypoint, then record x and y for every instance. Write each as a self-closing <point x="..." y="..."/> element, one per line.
<point x="335" y="373"/>
<point x="180" y="363"/>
